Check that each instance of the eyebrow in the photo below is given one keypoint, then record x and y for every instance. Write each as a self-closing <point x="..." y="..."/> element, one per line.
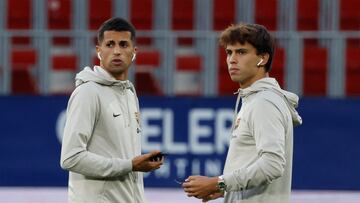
<point x="236" y="50"/>
<point x="113" y="41"/>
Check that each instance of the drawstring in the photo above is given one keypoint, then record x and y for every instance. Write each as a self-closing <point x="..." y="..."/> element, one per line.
<point x="131" y="87"/>
<point x="236" y="109"/>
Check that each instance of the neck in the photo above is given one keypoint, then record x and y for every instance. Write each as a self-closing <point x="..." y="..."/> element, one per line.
<point x="248" y="83"/>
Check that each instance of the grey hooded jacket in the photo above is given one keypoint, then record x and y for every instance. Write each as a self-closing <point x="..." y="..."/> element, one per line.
<point x="258" y="167"/>
<point x="101" y="136"/>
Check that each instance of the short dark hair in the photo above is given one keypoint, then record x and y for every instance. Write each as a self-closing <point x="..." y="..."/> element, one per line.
<point x="116" y="24"/>
<point x="256" y="35"/>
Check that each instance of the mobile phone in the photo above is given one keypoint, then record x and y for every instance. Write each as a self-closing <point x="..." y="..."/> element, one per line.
<point x="158" y="157"/>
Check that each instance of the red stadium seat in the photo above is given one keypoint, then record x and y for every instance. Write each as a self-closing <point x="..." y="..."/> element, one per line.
<point x="308" y="15"/>
<point x="224" y="14"/>
<point x="22" y="61"/>
<point x="189" y="63"/>
<point x="350" y="19"/>
<point x="59" y="14"/>
<point x="315" y="71"/>
<point x="19" y="17"/>
<point x="66" y="62"/>
<point x="278" y="64"/>
<point x="349" y="15"/>
<point x="183" y="18"/>
<point x="62" y="74"/>
<point x="59" y="18"/>
<point x="188" y="79"/>
<point x="145" y="81"/>
<point x="183" y="14"/>
<point x="99" y="11"/>
<point x="352" y="71"/>
<point x="146" y="85"/>
<point x="141" y="16"/>
<point x="266" y="13"/>
<point x="148" y="58"/>
<point x="19" y="14"/>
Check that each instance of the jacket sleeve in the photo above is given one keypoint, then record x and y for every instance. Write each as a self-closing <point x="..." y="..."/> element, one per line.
<point x="82" y="113"/>
<point x="268" y="128"/>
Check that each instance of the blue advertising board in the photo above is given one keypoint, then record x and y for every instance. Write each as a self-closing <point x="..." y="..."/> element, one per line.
<point x="194" y="132"/>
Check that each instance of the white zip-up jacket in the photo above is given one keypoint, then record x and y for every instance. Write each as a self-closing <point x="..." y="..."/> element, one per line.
<point x="258" y="166"/>
<point x="101" y="137"/>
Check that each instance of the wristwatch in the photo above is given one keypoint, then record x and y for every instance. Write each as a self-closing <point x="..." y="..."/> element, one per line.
<point x="221" y="184"/>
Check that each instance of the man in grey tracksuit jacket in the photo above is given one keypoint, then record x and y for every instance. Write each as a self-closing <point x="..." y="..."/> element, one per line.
<point x="101" y="136"/>
<point x="258" y="166"/>
<point x="256" y="169"/>
<point x="102" y="142"/>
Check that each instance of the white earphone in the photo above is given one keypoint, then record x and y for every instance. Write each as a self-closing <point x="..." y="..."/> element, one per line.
<point x="134" y="56"/>
<point x="258" y="64"/>
<point x="98" y="55"/>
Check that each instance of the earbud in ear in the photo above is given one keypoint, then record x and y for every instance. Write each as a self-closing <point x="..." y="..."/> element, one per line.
<point x="98" y="55"/>
<point x="258" y="64"/>
<point x="134" y="56"/>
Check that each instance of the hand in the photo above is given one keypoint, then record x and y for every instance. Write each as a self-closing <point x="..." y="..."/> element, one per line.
<point x="200" y="186"/>
<point x="213" y="196"/>
<point x="144" y="162"/>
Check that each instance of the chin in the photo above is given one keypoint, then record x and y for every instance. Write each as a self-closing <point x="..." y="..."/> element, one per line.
<point x="234" y="79"/>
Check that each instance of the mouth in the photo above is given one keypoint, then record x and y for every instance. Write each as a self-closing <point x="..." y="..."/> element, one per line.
<point x="117" y="61"/>
<point x="233" y="71"/>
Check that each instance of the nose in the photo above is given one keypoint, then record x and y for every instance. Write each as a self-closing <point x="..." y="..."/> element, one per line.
<point x="231" y="58"/>
<point x="117" y="50"/>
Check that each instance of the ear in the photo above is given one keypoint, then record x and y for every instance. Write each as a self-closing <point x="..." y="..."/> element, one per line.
<point x="98" y="50"/>
<point x="264" y="58"/>
<point x="134" y="54"/>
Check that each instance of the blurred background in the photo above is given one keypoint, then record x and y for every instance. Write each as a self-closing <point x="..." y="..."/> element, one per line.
<point x="186" y="94"/>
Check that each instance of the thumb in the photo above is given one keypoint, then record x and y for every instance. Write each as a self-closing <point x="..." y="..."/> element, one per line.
<point x="153" y="153"/>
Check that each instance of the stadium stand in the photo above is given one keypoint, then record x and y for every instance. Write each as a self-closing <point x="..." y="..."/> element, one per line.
<point x="64" y="66"/>
<point x="183" y="18"/>
<point x="141" y="16"/>
<point x="315" y="56"/>
<point x="19" y="18"/>
<point x="59" y="18"/>
<point x="349" y="15"/>
<point x="278" y="66"/>
<point x="224" y="14"/>
<point x="147" y="62"/>
<point x="99" y="11"/>
<point x="23" y="61"/>
<point x="350" y="19"/>
<point x="266" y="13"/>
<point x="315" y="71"/>
<point x="188" y="80"/>
<point x="352" y="71"/>
<point x="308" y="12"/>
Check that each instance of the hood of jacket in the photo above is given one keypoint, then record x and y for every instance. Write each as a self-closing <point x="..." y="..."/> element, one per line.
<point x="100" y="76"/>
<point x="291" y="99"/>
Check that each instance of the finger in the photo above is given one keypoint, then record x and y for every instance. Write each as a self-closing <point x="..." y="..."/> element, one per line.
<point x="190" y="178"/>
<point x="205" y="199"/>
<point x="186" y="184"/>
<point x="152" y="154"/>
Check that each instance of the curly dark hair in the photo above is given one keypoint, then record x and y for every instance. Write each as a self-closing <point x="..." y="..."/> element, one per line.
<point x="254" y="34"/>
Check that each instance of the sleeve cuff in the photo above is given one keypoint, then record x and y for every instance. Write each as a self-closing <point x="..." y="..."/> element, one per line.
<point x="231" y="182"/>
<point x="123" y="166"/>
